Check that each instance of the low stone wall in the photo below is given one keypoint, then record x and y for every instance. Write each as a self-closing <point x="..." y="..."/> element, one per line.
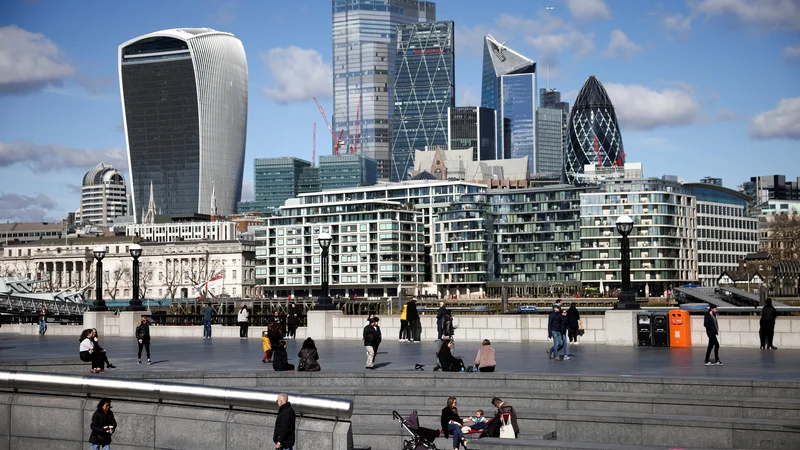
<point x="738" y="331"/>
<point x="32" y="421"/>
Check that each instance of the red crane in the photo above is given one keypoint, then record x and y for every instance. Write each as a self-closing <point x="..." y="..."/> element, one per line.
<point x="597" y="149"/>
<point x="314" y="147"/>
<point x="354" y="148"/>
<point x="338" y="141"/>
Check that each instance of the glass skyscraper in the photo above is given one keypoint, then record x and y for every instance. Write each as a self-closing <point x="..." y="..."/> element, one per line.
<point x="514" y="138"/>
<point x="364" y="49"/>
<point x="184" y="108"/>
<point x="423" y="91"/>
<point x="346" y="171"/>
<point x="549" y="142"/>
<point x="593" y="135"/>
<point x="472" y="127"/>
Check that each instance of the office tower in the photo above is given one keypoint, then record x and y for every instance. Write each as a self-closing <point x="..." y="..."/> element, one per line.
<point x="345" y="171"/>
<point x="549" y="142"/>
<point x="423" y="91"/>
<point x="364" y="49"/>
<point x="103" y="196"/>
<point x="279" y="179"/>
<point x="551" y="98"/>
<point x="593" y="135"/>
<point x="771" y="187"/>
<point x="509" y="87"/>
<point x="184" y="107"/>
<point x="472" y="127"/>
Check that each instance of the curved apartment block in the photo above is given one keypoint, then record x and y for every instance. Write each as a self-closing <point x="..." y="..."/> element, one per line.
<point x="184" y="107"/>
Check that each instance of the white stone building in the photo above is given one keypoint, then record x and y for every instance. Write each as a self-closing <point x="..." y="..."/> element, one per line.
<point x="103" y="196"/>
<point x="183" y="231"/>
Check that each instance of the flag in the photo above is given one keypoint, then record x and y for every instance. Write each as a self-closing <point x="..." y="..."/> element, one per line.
<point x="215" y="280"/>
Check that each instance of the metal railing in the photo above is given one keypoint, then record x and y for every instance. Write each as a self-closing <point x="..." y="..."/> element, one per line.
<point x="163" y="391"/>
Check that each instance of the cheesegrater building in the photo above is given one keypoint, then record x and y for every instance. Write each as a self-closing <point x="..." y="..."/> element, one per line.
<point x="184" y="108"/>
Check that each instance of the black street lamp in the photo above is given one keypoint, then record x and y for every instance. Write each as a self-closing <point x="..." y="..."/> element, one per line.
<point x="136" y="303"/>
<point x="627" y="298"/>
<point x="99" y="303"/>
<point x="324" y="303"/>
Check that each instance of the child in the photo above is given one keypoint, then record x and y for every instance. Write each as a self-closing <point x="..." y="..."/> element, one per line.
<point x="478" y="423"/>
<point x="267" y="347"/>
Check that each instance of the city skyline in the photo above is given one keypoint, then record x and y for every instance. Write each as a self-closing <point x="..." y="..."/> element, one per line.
<point x="679" y="102"/>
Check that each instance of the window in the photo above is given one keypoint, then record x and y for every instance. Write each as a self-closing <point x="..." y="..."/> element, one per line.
<point x="233" y="274"/>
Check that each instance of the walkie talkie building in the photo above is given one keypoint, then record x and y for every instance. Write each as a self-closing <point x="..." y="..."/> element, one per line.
<point x="184" y="108"/>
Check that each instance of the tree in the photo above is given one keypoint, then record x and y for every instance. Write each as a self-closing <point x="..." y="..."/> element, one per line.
<point x="145" y="276"/>
<point x="172" y="277"/>
<point x="112" y="278"/>
<point x="783" y="236"/>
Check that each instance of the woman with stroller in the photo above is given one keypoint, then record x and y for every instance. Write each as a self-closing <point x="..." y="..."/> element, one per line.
<point x="449" y="362"/>
<point x="308" y="357"/>
<point x="452" y="423"/>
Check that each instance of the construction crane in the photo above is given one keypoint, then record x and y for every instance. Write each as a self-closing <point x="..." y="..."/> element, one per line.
<point x="597" y="149"/>
<point x="354" y="148"/>
<point x="338" y="141"/>
<point x="314" y="147"/>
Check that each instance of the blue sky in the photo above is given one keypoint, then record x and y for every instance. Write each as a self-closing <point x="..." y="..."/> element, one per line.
<point x="701" y="87"/>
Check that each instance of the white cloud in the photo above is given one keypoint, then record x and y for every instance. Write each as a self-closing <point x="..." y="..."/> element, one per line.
<point x="469" y="40"/>
<point x="678" y="23"/>
<point x="792" y="53"/>
<point x="780" y="123"/>
<point x="48" y="157"/>
<point x="769" y="14"/>
<point x="298" y="73"/>
<point x="23" y="208"/>
<point x="588" y="9"/>
<point x="641" y="108"/>
<point x="551" y="45"/>
<point x="620" y="46"/>
<point x="29" y="62"/>
<point x="725" y="115"/>
<point x="469" y="97"/>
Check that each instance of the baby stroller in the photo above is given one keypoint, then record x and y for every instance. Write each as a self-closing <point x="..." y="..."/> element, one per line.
<point x="421" y="438"/>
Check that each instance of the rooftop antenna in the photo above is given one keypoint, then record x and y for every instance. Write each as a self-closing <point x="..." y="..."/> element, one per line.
<point x="547" y="68"/>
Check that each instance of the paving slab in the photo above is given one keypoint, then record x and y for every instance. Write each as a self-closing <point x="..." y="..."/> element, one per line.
<point x="197" y="355"/>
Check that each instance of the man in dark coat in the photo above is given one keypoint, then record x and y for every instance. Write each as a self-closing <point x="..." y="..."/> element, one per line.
<point x="712" y="331"/>
<point x="283" y="437"/>
<point x="554" y="333"/>
<point x="440" y="315"/>
<point x="372" y="339"/>
<point x="412" y="316"/>
<point x="103" y="425"/>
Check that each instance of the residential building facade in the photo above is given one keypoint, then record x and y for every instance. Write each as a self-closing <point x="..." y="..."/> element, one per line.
<point x="104" y="196"/>
<point x="364" y="51"/>
<point x="472" y="127"/>
<point x="184" y="109"/>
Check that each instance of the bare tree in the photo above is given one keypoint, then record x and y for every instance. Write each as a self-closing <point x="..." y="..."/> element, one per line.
<point x="145" y="277"/>
<point x="26" y="268"/>
<point x="172" y="277"/>
<point x="111" y="281"/>
<point x="783" y="236"/>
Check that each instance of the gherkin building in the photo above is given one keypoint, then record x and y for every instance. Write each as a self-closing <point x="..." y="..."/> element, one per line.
<point x="593" y="136"/>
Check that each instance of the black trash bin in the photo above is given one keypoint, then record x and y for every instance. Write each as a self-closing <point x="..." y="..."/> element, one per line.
<point x="644" y="329"/>
<point x="660" y="324"/>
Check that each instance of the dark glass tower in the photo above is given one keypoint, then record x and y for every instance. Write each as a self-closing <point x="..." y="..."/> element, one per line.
<point x="509" y="87"/>
<point x="593" y="135"/>
<point x="472" y="127"/>
<point x="423" y="90"/>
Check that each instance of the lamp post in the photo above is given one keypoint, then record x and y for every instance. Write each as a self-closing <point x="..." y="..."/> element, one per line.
<point x="99" y="303"/>
<point x="324" y="302"/>
<point x="626" y="299"/>
<point x="136" y="303"/>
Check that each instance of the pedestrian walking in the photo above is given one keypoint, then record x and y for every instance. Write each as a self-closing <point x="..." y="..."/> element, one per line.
<point x="280" y="359"/>
<point x="101" y="350"/>
<point x="244" y="321"/>
<point x="103" y="425"/>
<point x="712" y="331"/>
<point x="283" y="436"/>
<point x="308" y="357"/>
<point x="766" y="330"/>
<point x="42" y="320"/>
<point x="440" y="315"/>
<point x="412" y="315"/>
<point x="404" y="329"/>
<point x="573" y="323"/>
<point x="87" y="353"/>
<point x="485" y="360"/>
<point x="564" y="329"/>
<point x="208" y="316"/>
<point x="448" y="328"/>
<point x="265" y="343"/>
<point x="372" y="339"/>
<point x="275" y="335"/>
<point x="554" y="333"/>
<point x="452" y="423"/>
<point x="293" y="320"/>
<point x="143" y="338"/>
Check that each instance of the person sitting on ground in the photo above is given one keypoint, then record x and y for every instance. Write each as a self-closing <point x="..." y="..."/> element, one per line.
<point x="87" y="352"/>
<point x="479" y="422"/>
<point x="485" y="361"/>
<point x="449" y="362"/>
<point x="451" y="423"/>
<point x="308" y="357"/>
<point x="102" y="351"/>
<point x="280" y="359"/>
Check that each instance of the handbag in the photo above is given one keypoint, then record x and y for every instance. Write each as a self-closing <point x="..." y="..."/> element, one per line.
<point x="506" y="430"/>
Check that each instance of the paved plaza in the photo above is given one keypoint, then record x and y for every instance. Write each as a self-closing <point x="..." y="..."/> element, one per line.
<point x="233" y="354"/>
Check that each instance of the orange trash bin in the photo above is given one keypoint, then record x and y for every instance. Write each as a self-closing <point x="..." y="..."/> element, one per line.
<point x="680" y="330"/>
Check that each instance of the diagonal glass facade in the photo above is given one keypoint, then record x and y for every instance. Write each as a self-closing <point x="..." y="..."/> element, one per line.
<point x="424" y="89"/>
<point x="593" y="134"/>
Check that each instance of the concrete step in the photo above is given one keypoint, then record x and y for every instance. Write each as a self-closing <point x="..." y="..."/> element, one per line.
<point x="519" y="444"/>
<point x="390" y="436"/>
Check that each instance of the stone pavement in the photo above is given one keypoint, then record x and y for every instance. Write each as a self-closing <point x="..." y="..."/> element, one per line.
<point x="237" y="355"/>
